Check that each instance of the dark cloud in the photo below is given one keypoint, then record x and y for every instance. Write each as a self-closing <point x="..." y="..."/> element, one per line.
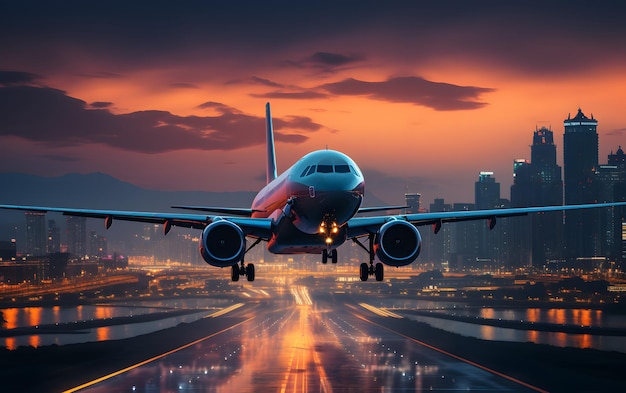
<point x="332" y="59"/>
<point x="17" y="78"/>
<point x="100" y="105"/>
<point x="255" y="80"/>
<point x="218" y="107"/>
<point x="542" y="37"/>
<point x="326" y="62"/>
<point x="413" y="90"/>
<point x="51" y="117"/>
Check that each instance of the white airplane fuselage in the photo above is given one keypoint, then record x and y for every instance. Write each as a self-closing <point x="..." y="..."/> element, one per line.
<point x="311" y="202"/>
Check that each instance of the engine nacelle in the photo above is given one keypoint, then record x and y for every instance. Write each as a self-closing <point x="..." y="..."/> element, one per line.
<point x="223" y="244"/>
<point x="397" y="243"/>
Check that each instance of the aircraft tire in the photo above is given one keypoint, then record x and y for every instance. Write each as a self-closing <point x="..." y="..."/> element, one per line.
<point x="324" y="257"/>
<point x="379" y="273"/>
<point x="333" y="256"/>
<point x="364" y="271"/>
<point x="234" y="276"/>
<point x="250" y="272"/>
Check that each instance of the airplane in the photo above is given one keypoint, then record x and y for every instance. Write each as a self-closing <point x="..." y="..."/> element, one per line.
<point x="310" y="208"/>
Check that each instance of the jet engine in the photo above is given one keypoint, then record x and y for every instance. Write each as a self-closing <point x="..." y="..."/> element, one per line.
<point x="397" y="243"/>
<point x="223" y="243"/>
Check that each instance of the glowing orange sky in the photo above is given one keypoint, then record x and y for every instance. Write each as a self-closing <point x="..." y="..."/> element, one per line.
<point x="504" y="77"/>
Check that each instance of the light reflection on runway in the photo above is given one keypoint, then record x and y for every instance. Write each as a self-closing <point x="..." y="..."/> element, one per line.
<point x="307" y="342"/>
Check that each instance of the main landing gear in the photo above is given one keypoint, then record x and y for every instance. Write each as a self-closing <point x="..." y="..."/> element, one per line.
<point x="372" y="270"/>
<point x="332" y="255"/>
<point x="243" y="270"/>
<point x="366" y="270"/>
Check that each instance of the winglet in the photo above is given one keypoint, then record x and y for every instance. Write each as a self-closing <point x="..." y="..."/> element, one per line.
<point x="271" y="154"/>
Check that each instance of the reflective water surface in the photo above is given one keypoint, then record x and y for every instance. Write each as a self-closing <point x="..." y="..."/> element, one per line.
<point x="37" y="316"/>
<point x="559" y="316"/>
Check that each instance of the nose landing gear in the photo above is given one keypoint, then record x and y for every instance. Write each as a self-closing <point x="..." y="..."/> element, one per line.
<point x="332" y="254"/>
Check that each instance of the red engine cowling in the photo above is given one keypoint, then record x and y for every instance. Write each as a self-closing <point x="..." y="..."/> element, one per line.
<point x="397" y="243"/>
<point x="223" y="244"/>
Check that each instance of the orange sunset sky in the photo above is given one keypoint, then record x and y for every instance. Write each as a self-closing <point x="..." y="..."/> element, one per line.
<point x="422" y="95"/>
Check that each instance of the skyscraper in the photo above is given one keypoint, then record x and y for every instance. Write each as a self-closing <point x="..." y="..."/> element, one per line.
<point x="521" y="227"/>
<point x="54" y="237"/>
<point x="580" y="160"/>
<point x="438" y="250"/>
<point x="486" y="191"/>
<point x="77" y="236"/>
<point x="412" y="200"/>
<point x="547" y="190"/>
<point x="35" y="233"/>
<point x="491" y="242"/>
<point x="611" y="186"/>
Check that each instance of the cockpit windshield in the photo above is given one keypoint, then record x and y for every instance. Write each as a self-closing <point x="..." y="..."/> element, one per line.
<point x="324" y="168"/>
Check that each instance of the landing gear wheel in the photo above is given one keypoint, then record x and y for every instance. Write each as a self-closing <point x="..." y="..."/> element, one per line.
<point x="234" y="276"/>
<point x="250" y="272"/>
<point x="333" y="256"/>
<point x="379" y="272"/>
<point x="364" y="271"/>
<point x="324" y="257"/>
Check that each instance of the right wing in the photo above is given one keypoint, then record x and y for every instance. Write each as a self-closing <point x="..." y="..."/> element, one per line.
<point x="361" y="226"/>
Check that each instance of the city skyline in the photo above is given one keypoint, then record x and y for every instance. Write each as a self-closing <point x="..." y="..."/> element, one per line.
<point x="171" y="98"/>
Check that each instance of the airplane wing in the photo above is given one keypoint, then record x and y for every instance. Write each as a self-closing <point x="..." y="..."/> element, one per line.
<point x="380" y="208"/>
<point x="235" y="211"/>
<point x="361" y="226"/>
<point x="255" y="227"/>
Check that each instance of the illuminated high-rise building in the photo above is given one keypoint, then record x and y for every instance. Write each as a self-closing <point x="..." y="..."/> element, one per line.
<point x="438" y="250"/>
<point x="611" y="187"/>
<point x="35" y="244"/>
<point x="546" y="190"/>
<point x="412" y="200"/>
<point x="54" y="237"/>
<point x="491" y="242"/>
<point x="77" y="236"/>
<point x="97" y="245"/>
<point x="464" y="240"/>
<point x="520" y="245"/>
<point x="580" y="160"/>
<point x="538" y="238"/>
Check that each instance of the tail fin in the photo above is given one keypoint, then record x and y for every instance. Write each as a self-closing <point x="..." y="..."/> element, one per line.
<point x="271" y="154"/>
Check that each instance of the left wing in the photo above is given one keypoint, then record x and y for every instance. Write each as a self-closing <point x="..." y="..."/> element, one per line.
<point x="255" y="227"/>
<point x="361" y="226"/>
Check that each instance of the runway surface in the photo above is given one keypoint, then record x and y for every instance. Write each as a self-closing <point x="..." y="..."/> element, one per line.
<point x="305" y="342"/>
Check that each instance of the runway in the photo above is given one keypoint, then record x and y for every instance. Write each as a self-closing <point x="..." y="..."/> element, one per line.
<point x="303" y="341"/>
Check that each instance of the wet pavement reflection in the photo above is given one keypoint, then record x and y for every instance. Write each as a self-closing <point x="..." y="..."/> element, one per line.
<point x="305" y="342"/>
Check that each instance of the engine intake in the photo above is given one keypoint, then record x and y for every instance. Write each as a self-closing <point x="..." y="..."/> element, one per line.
<point x="223" y="244"/>
<point x="397" y="243"/>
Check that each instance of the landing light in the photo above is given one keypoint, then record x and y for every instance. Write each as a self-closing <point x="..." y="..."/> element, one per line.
<point x="329" y="240"/>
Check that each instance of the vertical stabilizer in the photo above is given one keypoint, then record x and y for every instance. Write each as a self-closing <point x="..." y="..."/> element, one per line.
<point x="271" y="154"/>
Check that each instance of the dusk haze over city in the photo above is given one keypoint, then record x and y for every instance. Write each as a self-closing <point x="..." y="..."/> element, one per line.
<point x="312" y="196"/>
